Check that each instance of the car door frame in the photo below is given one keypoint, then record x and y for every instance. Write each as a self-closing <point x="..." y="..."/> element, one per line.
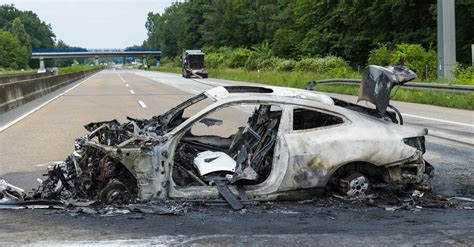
<point x="259" y="191"/>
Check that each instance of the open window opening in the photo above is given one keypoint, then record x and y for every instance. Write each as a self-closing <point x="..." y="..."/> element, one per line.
<point x="234" y="145"/>
<point x="309" y="119"/>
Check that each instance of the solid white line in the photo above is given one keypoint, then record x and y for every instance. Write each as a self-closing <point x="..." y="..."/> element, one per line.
<point x="438" y="120"/>
<point x="126" y="85"/>
<point x="132" y="92"/>
<point x="195" y="91"/>
<point x="142" y="104"/>
<point x="8" y="125"/>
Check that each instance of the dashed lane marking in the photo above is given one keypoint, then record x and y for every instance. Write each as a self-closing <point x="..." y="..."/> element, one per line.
<point x="141" y="104"/>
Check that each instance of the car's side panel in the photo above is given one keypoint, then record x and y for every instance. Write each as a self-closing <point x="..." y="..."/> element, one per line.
<point x="315" y="154"/>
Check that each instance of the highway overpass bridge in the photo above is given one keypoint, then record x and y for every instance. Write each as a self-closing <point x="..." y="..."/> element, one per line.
<point x="96" y="53"/>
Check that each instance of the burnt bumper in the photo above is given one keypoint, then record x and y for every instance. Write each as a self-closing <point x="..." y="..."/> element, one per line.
<point x="409" y="171"/>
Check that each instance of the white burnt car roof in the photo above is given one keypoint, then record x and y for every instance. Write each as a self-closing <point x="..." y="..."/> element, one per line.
<point x="218" y="93"/>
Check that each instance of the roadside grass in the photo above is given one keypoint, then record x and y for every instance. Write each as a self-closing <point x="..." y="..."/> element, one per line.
<point x="171" y="69"/>
<point x="70" y="69"/>
<point x="299" y="80"/>
<point x="15" y="72"/>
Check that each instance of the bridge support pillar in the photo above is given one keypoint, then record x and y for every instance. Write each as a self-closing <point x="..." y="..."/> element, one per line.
<point x="145" y="62"/>
<point x="41" y="64"/>
<point x="96" y="60"/>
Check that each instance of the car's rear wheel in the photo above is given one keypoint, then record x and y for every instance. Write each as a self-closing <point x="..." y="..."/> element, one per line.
<point x="354" y="184"/>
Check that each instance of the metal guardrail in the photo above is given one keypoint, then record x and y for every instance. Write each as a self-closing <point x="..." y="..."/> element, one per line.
<point x="409" y="85"/>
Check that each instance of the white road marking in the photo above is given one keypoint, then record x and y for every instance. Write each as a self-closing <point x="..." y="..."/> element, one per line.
<point x="438" y="120"/>
<point x="132" y="92"/>
<point x="8" y="125"/>
<point x="195" y="91"/>
<point x="126" y="85"/>
<point x="142" y="104"/>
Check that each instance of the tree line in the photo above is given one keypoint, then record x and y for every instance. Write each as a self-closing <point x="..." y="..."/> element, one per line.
<point x="20" y="33"/>
<point x="301" y="28"/>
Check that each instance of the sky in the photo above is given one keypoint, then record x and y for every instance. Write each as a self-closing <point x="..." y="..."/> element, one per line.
<point x="95" y="23"/>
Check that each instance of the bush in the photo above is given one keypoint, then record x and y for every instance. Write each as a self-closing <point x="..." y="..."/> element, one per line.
<point x="238" y="57"/>
<point x="214" y="60"/>
<point x="252" y="62"/>
<point x="165" y="61"/>
<point x="77" y="68"/>
<point x="261" y="57"/>
<point x="380" y="56"/>
<point x="415" y="57"/>
<point x="260" y="53"/>
<point x="284" y="64"/>
<point x="463" y="75"/>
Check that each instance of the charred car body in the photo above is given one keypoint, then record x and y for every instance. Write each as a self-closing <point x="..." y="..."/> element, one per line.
<point x="293" y="142"/>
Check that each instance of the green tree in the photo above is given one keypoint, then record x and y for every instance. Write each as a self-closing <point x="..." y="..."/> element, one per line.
<point x="18" y="29"/>
<point x="301" y="28"/>
<point x="41" y="34"/>
<point x="12" y="54"/>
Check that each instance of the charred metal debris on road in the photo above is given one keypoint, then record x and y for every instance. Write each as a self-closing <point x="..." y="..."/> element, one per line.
<point x="293" y="143"/>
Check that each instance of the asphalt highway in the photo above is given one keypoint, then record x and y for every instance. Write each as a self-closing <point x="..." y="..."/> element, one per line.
<point x="44" y="131"/>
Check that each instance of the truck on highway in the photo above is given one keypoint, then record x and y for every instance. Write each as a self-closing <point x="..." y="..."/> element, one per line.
<point x="193" y="64"/>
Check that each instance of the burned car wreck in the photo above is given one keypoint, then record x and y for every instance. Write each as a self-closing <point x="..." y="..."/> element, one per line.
<point x="291" y="143"/>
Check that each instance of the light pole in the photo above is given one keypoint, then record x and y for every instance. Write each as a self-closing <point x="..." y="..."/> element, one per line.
<point x="446" y="38"/>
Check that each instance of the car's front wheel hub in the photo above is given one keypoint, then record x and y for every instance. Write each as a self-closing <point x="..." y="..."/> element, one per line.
<point x="114" y="192"/>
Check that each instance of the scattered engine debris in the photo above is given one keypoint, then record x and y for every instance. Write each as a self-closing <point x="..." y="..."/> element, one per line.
<point x="10" y="192"/>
